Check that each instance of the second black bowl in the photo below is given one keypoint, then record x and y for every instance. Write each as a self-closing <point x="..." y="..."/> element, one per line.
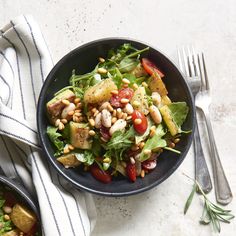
<point x="83" y="59"/>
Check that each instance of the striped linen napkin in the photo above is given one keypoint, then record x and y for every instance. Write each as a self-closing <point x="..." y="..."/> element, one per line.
<point x="24" y="64"/>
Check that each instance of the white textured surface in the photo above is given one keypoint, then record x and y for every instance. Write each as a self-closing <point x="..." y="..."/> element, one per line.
<point x="210" y="26"/>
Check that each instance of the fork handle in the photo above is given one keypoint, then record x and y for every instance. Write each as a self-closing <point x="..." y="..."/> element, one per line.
<point x="201" y="171"/>
<point x="222" y="188"/>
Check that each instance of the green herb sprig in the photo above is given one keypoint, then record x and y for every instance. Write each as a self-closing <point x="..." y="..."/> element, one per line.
<point x="212" y="214"/>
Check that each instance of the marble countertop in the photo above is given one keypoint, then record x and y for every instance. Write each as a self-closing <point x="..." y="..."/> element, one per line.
<point x="208" y="25"/>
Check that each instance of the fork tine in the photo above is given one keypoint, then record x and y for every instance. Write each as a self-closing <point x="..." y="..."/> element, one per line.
<point x="205" y="73"/>
<point x="195" y="62"/>
<point x="181" y="65"/>
<point x="202" y="87"/>
<point x="186" y="61"/>
<point x="190" y="62"/>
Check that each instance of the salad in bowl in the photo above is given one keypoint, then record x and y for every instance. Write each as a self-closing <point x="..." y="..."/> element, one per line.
<point x="117" y="119"/>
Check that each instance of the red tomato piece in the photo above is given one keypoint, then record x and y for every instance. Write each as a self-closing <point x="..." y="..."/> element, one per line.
<point x="149" y="164"/>
<point x="100" y="175"/>
<point x="140" y="128"/>
<point x="150" y="67"/>
<point x="131" y="172"/>
<point x="122" y="93"/>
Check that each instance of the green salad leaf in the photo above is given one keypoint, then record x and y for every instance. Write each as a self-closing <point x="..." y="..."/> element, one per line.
<point x="178" y="112"/>
<point x="154" y="142"/>
<point x="54" y="136"/>
<point x="128" y="64"/>
<point x="85" y="157"/>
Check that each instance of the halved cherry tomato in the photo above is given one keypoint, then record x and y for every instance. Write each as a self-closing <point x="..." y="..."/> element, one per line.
<point x="150" y="67"/>
<point x="122" y="93"/>
<point x="149" y="164"/>
<point x="131" y="172"/>
<point x="100" y="175"/>
<point x="140" y="128"/>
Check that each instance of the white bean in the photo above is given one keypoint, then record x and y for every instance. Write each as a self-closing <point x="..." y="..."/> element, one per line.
<point x="155" y="114"/>
<point x="106" y="118"/>
<point x="98" y="120"/>
<point x="66" y="110"/>
<point x="156" y="98"/>
<point x="118" y="125"/>
<point x="129" y="109"/>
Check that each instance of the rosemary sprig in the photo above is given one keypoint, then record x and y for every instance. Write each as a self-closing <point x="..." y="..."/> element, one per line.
<point x="212" y="214"/>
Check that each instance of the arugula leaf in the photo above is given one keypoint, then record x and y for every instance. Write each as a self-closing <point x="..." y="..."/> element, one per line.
<point x="172" y="150"/>
<point x="154" y="142"/>
<point x="120" y="142"/>
<point x="54" y="137"/>
<point x="128" y="64"/>
<point x="178" y="112"/>
<point x="116" y="76"/>
<point x="85" y="157"/>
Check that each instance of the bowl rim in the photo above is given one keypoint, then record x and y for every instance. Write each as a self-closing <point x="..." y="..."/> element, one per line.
<point x="21" y="191"/>
<point x="43" y="143"/>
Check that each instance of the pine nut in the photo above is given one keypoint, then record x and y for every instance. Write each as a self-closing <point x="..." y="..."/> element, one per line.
<point x="125" y="85"/>
<point x="142" y="173"/>
<point x="106" y="118"/>
<point x="91" y="122"/>
<point x="92" y="132"/>
<point x="106" y="160"/>
<point x="135" y="147"/>
<point x="132" y="160"/>
<point x="98" y="121"/>
<point x="125" y="81"/>
<point x="61" y="126"/>
<point x="137" y="121"/>
<point x="114" y="113"/>
<point x="96" y="113"/>
<point x="102" y="71"/>
<point x="71" y="147"/>
<point x="155" y="114"/>
<point x="6" y="217"/>
<point x="102" y="60"/>
<point x="129" y="109"/>
<point x="147" y="151"/>
<point x="129" y="118"/>
<point x="76" y="119"/>
<point x="104" y="106"/>
<point x="119" y="115"/>
<point x="113" y="120"/>
<point x="77" y="114"/>
<point x="176" y="140"/>
<point x="145" y="84"/>
<point x="124" y="100"/>
<point x="156" y="98"/>
<point x="124" y="116"/>
<point x="66" y="149"/>
<point x="110" y="108"/>
<point x="64" y="121"/>
<point x="141" y="145"/>
<point x="152" y="131"/>
<point x="94" y="110"/>
<point x="76" y="100"/>
<point x="114" y="92"/>
<point x="57" y="122"/>
<point x="136" y="104"/>
<point x="135" y="86"/>
<point x="71" y="113"/>
<point x="65" y="102"/>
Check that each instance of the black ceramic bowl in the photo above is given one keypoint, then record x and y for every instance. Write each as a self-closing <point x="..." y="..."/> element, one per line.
<point x="83" y="59"/>
<point x="22" y="195"/>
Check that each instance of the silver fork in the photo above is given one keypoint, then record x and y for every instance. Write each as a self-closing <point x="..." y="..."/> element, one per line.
<point x="189" y="65"/>
<point x="203" y="101"/>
